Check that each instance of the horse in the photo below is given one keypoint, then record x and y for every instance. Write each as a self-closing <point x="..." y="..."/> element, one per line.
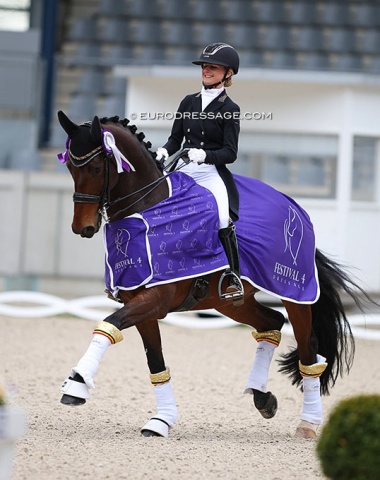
<point x="117" y="179"/>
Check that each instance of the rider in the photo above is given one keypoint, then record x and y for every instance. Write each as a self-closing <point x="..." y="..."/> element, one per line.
<point x="212" y="140"/>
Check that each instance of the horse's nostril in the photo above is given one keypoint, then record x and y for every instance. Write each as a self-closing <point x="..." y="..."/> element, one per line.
<point x="88" y="232"/>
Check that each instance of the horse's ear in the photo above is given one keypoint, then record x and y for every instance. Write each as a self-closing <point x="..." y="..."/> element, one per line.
<point x="96" y="130"/>
<point x="68" y="126"/>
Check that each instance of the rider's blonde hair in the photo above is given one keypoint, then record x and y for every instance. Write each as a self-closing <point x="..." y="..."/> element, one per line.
<point x="228" y="82"/>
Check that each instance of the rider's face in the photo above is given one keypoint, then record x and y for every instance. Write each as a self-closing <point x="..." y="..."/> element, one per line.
<point x="212" y="74"/>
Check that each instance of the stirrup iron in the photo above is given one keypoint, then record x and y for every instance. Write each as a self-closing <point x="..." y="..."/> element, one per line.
<point x="236" y="297"/>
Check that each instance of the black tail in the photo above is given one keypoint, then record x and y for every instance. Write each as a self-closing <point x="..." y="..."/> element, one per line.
<point x="330" y="324"/>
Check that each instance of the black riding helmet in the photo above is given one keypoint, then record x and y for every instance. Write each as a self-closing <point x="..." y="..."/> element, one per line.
<point x="220" y="54"/>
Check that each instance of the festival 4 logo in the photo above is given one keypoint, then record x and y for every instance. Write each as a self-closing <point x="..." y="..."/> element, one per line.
<point x="293" y="233"/>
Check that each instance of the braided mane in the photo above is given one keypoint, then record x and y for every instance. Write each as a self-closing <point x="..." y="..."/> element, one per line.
<point x="133" y="129"/>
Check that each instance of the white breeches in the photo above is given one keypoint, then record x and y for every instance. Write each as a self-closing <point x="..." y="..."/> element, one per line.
<point x="208" y="177"/>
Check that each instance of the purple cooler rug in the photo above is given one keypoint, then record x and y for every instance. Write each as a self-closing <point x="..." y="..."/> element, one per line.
<point x="178" y="239"/>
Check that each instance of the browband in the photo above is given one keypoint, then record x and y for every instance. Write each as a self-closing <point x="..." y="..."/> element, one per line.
<point x="80" y="161"/>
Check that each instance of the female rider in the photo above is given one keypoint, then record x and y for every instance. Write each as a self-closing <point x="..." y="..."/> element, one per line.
<point x="212" y="140"/>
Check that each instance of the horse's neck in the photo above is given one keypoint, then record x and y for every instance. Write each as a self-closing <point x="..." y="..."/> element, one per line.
<point x="145" y="181"/>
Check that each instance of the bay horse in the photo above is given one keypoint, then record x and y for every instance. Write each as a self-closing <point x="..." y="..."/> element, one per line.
<point x="116" y="178"/>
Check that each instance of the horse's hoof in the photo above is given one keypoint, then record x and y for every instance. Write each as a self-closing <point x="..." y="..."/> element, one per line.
<point x="72" y="401"/>
<point x="306" y="430"/>
<point x="156" y="427"/>
<point x="75" y="391"/>
<point x="149" y="433"/>
<point x="266" y="403"/>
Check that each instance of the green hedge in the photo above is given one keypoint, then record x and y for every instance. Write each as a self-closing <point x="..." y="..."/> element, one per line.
<point x="349" y="445"/>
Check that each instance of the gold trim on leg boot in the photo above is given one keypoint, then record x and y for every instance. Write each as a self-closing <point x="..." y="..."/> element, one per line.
<point x="160" y="377"/>
<point x="109" y="331"/>
<point x="271" y="336"/>
<point x="315" y="370"/>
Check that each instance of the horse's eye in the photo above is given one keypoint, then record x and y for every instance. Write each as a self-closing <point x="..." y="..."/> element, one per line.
<point x="97" y="170"/>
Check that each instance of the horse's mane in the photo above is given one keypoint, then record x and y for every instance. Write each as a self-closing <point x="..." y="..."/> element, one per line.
<point x="133" y="129"/>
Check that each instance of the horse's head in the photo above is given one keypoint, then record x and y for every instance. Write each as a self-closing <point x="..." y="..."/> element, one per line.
<point x="84" y="158"/>
<point x="96" y="165"/>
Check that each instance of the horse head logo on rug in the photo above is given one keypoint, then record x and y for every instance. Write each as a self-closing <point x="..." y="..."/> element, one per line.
<point x="203" y="224"/>
<point x="209" y="206"/>
<point x="178" y="246"/>
<point x="122" y="239"/>
<point x="293" y="233"/>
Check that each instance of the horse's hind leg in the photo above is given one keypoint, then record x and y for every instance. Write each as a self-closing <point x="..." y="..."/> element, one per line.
<point x="265" y="402"/>
<point x="307" y="363"/>
<point x="166" y="415"/>
<point x="268" y="324"/>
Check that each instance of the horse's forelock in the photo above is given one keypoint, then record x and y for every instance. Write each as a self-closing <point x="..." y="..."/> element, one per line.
<point x="82" y="143"/>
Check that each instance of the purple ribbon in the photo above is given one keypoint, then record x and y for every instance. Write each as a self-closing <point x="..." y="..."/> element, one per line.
<point x="63" y="156"/>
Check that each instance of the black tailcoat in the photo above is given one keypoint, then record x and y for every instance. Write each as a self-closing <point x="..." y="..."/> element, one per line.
<point x="215" y="130"/>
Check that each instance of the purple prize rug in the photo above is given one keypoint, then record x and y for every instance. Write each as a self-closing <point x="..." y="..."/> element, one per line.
<point x="178" y="239"/>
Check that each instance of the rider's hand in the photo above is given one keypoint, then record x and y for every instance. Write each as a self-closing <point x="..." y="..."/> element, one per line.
<point x="162" y="153"/>
<point x="196" y="155"/>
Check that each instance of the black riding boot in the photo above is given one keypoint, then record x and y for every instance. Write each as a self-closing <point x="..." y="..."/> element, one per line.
<point x="235" y="288"/>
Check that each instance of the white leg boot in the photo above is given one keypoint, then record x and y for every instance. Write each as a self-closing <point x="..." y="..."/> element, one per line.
<point x="311" y="416"/>
<point x="258" y="376"/>
<point x="266" y="344"/>
<point x="167" y="413"/>
<point x="105" y="335"/>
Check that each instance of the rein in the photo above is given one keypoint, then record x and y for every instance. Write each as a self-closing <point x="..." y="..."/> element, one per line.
<point x="103" y="198"/>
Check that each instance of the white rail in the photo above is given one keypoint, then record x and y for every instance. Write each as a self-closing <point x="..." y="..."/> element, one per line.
<point x="27" y="304"/>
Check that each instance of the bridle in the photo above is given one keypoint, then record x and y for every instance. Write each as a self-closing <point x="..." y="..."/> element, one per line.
<point x="103" y="200"/>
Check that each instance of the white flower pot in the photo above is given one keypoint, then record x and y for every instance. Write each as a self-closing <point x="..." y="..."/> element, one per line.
<point x="12" y="427"/>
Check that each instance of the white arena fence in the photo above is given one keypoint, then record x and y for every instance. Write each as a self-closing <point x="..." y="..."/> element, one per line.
<point x="28" y="304"/>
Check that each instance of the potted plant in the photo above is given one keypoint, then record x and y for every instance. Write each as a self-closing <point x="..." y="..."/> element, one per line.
<point x="12" y="427"/>
<point x="349" y="445"/>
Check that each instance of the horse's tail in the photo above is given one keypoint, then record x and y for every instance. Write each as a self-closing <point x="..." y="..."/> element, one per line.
<point x="330" y="324"/>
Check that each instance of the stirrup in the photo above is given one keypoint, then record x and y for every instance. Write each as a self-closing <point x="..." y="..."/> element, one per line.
<point x="237" y="297"/>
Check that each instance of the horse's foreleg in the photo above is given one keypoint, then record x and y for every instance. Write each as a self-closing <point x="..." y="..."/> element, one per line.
<point x="144" y="306"/>
<point x="311" y="366"/>
<point x="75" y="389"/>
<point x="166" y="414"/>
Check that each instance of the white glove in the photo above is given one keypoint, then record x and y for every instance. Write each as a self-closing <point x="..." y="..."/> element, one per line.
<point x="196" y="155"/>
<point x="161" y="153"/>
